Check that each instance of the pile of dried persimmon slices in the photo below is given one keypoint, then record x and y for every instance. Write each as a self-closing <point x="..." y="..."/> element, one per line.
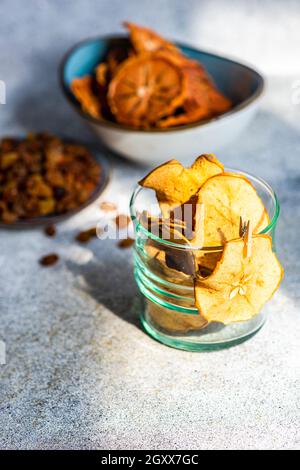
<point x="147" y="82"/>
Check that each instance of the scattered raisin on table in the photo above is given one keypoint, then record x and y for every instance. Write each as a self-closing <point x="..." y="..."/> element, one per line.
<point x="126" y="243"/>
<point x="108" y="206"/>
<point x="86" y="235"/>
<point x="49" y="260"/>
<point x="50" y="230"/>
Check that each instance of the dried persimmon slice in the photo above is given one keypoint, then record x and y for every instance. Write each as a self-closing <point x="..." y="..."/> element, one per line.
<point x="239" y="286"/>
<point x="202" y="101"/>
<point x="218" y="103"/>
<point x="197" y="87"/>
<point x="101" y="73"/>
<point x="145" y="40"/>
<point x="182" y="119"/>
<point x="118" y="53"/>
<point x="100" y="86"/>
<point x="82" y="89"/>
<point x="145" y="88"/>
<point x="202" y="95"/>
<point x="197" y="101"/>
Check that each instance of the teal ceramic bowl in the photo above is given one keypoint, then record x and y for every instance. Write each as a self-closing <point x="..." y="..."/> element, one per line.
<point x="242" y="84"/>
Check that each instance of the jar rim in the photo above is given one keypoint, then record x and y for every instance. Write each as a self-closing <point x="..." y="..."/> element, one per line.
<point x="260" y="181"/>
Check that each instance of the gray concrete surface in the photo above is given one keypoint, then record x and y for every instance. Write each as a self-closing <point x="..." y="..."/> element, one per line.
<point x="79" y="371"/>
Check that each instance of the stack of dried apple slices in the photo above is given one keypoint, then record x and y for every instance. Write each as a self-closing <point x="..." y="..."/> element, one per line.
<point x="219" y="216"/>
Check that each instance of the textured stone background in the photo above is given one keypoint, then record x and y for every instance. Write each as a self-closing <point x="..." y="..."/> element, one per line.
<point x="80" y="373"/>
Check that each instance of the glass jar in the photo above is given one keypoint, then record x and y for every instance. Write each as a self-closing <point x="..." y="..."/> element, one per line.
<point x="169" y="313"/>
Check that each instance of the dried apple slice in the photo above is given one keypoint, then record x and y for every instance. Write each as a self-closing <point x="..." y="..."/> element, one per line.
<point x="181" y="260"/>
<point x="145" y="40"/>
<point x="198" y="226"/>
<point x="173" y="258"/>
<point x="161" y="227"/>
<point x="145" y="88"/>
<point x="204" y="167"/>
<point x="239" y="285"/>
<point x="157" y="263"/>
<point x="171" y="183"/>
<point x="82" y="89"/>
<point x="175" y="185"/>
<point x="174" y="321"/>
<point x="206" y="260"/>
<point x="263" y="223"/>
<point x="226" y="198"/>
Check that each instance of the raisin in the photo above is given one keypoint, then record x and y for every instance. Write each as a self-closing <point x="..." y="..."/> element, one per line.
<point x="108" y="206"/>
<point x="126" y="243"/>
<point x="49" y="260"/>
<point x="86" y="235"/>
<point x="50" y="231"/>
